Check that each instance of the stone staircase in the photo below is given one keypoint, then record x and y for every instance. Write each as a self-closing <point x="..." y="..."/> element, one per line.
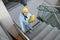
<point x="44" y="32"/>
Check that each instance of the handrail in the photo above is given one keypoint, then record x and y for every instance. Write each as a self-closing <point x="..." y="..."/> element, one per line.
<point x="53" y="13"/>
<point x="56" y="18"/>
<point x="20" y="30"/>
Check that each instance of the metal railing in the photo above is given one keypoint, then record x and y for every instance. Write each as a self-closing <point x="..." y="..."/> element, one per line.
<point x="47" y="12"/>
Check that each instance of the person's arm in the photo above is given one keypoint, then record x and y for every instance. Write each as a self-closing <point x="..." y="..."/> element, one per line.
<point x="21" y="23"/>
<point x="22" y="27"/>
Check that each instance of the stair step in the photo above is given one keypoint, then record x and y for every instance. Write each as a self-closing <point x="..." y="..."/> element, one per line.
<point x="58" y="37"/>
<point x="37" y="30"/>
<point x="52" y="34"/>
<point x="43" y="33"/>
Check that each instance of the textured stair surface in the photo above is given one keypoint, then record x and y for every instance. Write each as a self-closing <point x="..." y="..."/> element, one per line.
<point x="11" y="4"/>
<point x="37" y="30"/>
<point x="32" y="5"/>
<point x="52" y="34"/>
<point x="43" y="33"/>
<point x="58" y="37"/>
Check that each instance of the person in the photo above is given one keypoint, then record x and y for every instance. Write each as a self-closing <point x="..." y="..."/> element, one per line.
<point x="24" y="18"/>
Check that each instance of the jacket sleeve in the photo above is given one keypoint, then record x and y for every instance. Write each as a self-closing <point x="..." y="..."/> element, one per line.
<point x="21" y="23"/>
<point x="22" y="26"/>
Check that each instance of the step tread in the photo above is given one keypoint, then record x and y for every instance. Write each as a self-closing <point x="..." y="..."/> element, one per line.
<point x="52" y="34"/>
<point x="37" y="30"/>
<point x="43" y="33"/>
<point x="58" y="37"/>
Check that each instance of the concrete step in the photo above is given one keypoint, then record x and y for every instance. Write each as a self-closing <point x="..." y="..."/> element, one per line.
<point x="52" y="34"/>
<point x="32" y="5"/>
<point x="37" y="30"/>
<point x="43" y="33"/>
<point x="58" y="37"/>
<point x="11" y="4"/>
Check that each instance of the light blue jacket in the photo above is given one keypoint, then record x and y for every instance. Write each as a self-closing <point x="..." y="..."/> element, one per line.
<point x="22" y="21"/>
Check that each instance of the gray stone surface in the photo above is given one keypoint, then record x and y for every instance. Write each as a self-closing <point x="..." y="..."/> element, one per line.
<point x="37" y="30"/>
<point x="58" y="37"/>
<point x="15" y="12"/>
<point x="43" y="33"/>
<point x="11" y="4"/>
<point x="33" y="4"/>
<point x="52" y="34"/>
